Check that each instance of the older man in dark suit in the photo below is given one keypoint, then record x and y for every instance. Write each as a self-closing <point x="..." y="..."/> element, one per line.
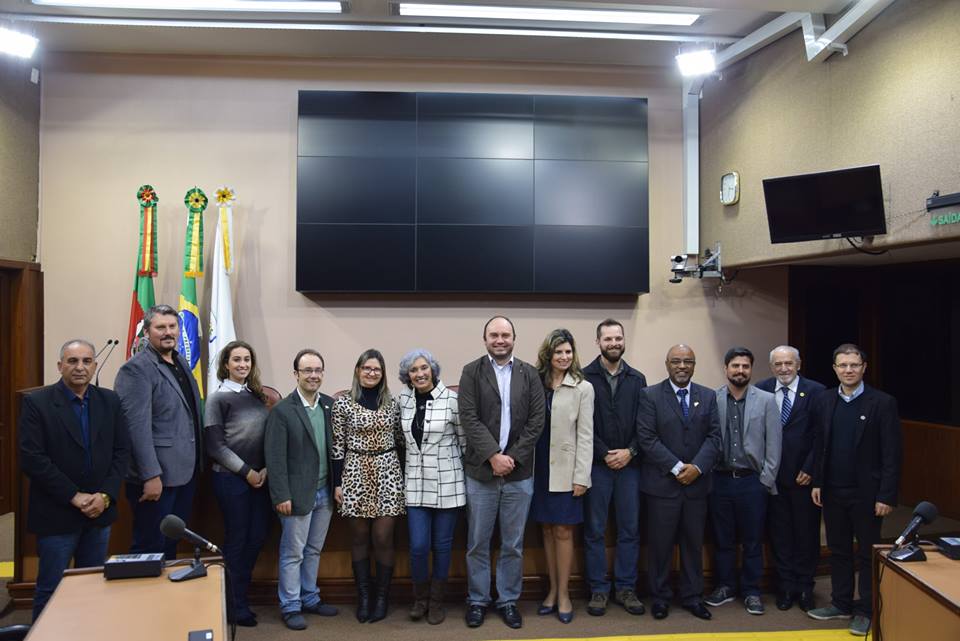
<point x="74" y="449"/>
<point x="793" y="519"/>
<point x="502" y="413"/>
<point x="161" y="402"/>
<point x="678" y="429"/>
<point x="857" y="450"/>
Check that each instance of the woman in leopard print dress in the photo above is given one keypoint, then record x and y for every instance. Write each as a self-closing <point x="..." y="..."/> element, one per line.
<point x="368" y="478"/>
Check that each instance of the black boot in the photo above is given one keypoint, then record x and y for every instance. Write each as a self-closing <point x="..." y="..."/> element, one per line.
<point x="421" y="593"/>
<point x="361" y="577"/>
<point x="381" y="601"/>
<point x="437" y="613"/>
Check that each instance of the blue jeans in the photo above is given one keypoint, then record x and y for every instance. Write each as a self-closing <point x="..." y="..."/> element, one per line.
<point x="738" y="509"/>
<point x="486" y="500"/>
<point x="623" y="488"/>
<point x="147" y="537"/>
<point x="246" y="518"/>
<point x="87" y="548"/>
<point x="430" y="528"/>
<point x="301" y="540"/>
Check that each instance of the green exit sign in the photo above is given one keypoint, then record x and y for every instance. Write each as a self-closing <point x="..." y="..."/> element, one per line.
<point x="951" y="218"/>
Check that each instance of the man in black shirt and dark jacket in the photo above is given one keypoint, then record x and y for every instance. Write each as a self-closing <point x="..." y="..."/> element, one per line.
<point x="857" y="451"/>
<point x="616" y="472"/>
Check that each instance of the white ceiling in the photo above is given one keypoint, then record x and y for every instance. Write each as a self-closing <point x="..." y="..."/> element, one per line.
<point x="720" y="19"/>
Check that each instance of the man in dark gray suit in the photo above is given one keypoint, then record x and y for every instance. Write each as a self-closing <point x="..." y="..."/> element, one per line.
<point x="161" y="402"/>
<point x="502" y="412"/>
<point x="745" y="475"/>
<point x="297" y="444"/>
<point x="678" y="429"/>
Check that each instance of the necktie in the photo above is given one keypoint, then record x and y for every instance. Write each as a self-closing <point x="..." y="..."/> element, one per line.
<point x="785" y="407"/>
<point x="682" y="393"/>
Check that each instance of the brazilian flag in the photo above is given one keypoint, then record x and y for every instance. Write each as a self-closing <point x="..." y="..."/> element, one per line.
<point x="190" y="333"/>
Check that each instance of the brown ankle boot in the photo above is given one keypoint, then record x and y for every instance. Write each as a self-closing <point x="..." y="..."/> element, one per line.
<point x="421" y="592"/>
<point x="437" y="613"/>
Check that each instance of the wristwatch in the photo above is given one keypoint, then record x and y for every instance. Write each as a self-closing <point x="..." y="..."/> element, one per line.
<point x="106" y="500"/>
<point x="633" y="451"/>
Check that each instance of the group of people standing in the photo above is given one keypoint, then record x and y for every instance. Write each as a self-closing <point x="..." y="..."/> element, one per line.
<point x="575" y="443"/>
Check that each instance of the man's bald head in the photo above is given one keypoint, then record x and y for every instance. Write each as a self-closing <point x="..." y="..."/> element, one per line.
<point x="681" y="362"/>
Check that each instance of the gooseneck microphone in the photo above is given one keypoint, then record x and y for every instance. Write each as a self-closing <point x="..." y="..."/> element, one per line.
<point x="112" y="344"/>
<point x="924" y="513"/>
<point x="173" y="527"/>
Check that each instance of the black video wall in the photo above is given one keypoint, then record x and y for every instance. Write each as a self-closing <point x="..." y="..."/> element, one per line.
<point x="492" y="193"/>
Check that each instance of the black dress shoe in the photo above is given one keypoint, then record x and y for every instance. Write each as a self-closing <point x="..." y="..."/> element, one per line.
<point x="475" y="614"/>
<point x="660" y="610"/>
<point x="699" y="610"/>
<point x="806" y="601"/>
<point x="784" y="601"/>
<point x="511" y="616"/>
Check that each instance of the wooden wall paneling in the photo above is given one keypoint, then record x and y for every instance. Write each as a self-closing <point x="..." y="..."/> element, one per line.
<point x="931" y="466"/>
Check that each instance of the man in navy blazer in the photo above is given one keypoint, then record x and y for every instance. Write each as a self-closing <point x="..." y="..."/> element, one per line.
<point x="678" y="430"/>
<point x="161" y="402"/>
<point x="857" y="453"/>
<point x="73" y="448"/>
<point x="793" y="518"/>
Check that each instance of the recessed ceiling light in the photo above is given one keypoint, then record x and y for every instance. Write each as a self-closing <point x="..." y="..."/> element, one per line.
<point x="546" y="14"/>
<point x="16" y="43"/>
<point x="697" y="63"/>
<point x="280" y="6"/>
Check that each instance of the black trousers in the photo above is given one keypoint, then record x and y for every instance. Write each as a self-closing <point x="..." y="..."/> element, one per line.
<point x="672" y="520"/>
<point x="848" y="516"/>
<point x="793" y="522"/>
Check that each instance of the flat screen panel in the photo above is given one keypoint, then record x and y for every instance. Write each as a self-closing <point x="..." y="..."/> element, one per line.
<point x="347" y="123"/>
<point x="591" y="260"/>
<point x="351" y="258"/>
<point x="453" y="258"/>
<point x="832" y="204"/>
<point x="591" y="128"/>
<point x="591" y="193"/>
<point x="475" y="126"/>
<point x="475" y="191"/>
<point x="356" y="190"/>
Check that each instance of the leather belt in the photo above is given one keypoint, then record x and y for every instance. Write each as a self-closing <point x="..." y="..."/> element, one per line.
<point x="737" y="474"/>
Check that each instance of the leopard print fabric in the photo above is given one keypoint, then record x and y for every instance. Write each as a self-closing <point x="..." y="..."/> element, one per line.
<point x="372" y="485"/>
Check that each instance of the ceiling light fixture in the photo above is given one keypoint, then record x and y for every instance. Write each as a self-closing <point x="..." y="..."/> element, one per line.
<point x="546" y="14"/>
<point x="280" y="6"/>
<point x="697" y="63"/>
<point x="16" y="43"/>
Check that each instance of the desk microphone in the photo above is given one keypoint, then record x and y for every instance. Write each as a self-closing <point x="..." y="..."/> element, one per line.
<point x="112" y="343"/>
<point x="924" y="513"/>
<point x="173" y="527"/>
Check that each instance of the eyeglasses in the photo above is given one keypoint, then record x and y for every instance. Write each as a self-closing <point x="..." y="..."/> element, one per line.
<point x="371" y="370"/>
<point x="310" y="371"/>
<point x="689" y="362"/>
<point x="848" y="365"/>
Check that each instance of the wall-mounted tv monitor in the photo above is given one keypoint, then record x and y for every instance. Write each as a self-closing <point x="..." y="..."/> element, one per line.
<point x="831" y="204"/>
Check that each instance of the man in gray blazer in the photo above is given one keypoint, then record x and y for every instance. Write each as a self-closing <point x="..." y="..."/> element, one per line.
<point x="161" y="402"/>
<point x="296" y="448"/>
<point x="746" y="474"/>
<point x="678" y="430"/>
<point x="502" y="413"/>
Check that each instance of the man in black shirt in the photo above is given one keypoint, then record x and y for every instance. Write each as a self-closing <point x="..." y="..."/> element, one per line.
<point x="616" y="473"/>
<point x="857" y="451"/>
<point x="161" y="402"/>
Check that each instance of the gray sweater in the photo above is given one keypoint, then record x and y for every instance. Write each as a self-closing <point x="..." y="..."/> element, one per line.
<point x="234" y="428"/>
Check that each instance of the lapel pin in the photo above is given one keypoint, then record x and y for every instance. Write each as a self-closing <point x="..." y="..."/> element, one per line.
<point x="803" y="394"/>
<point x="862" y="417"/>
<point x="696" y="403"/>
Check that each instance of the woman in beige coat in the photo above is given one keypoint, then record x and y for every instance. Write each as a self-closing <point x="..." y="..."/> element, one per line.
<point x="561" y="471"/>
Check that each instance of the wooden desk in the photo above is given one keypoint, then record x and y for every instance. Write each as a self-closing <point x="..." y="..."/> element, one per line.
<point x="87" y="606"/>
<point x="920" y="600"/>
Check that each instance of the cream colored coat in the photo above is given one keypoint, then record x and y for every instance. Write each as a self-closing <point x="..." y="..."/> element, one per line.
<point x="571" y="435"/>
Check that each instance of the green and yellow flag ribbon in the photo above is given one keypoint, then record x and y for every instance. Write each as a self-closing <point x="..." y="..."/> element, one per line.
<point x="190" y="334"/>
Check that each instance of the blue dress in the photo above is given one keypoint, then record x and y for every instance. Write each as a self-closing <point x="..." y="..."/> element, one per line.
<point x="562" y="508"/>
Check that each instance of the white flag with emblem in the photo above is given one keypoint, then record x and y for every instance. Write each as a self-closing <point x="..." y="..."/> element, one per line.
<point x="221" y="330"/>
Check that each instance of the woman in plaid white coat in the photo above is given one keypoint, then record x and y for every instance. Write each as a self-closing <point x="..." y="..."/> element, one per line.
<point x="435" y="488"/>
